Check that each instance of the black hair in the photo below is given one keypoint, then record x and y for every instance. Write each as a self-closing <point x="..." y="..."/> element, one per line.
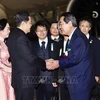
<point x="21" y="16"/>
<point x="3" y="23"/>
<point x="41" y="23"/>
<point x="54" y="22"/>
<point x="86" y="19"/>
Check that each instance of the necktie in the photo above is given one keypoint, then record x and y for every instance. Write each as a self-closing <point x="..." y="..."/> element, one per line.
<point x="55" y="39"/>
<point x="67" y="44"/>
<point x="43" y="46"/>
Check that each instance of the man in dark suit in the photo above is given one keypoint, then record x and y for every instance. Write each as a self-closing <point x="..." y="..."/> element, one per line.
<point x="24" y="61"/>
<point x="85" y="26"/>
<point x="54" y="32"/>
<point x="58" y="74"/>
<point x="55" y="36"/>
<point x="77" y="63"/>
<point x="44" y="48"/>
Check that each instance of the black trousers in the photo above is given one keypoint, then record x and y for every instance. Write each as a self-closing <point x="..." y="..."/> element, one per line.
<point x="44" y="92"/>
<point x="64" y="94"/>
<point x="24" y="93"/>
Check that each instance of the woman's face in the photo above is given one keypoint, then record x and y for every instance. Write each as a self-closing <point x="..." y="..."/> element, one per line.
<point x="6" y="31"/>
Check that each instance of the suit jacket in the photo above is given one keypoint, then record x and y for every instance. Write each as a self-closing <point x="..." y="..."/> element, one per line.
<point x="58" y="74"/>
<point x="24" y="60"/>
<point x="53" y="53"/>
<point x="95" y="46"/>
<point x="78" y="65"/>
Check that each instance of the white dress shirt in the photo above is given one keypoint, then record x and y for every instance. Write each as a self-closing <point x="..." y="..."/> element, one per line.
<point x="45" y="40"/>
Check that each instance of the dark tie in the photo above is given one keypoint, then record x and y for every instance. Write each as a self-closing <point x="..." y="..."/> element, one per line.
<point x="67" y="44"/>
<point x="55" y="39"/>
<point x="43" y="46"/>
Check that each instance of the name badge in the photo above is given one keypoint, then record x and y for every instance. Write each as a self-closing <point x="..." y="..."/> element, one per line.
<point x="52" y="48"/>
<point x="60" y="52"/>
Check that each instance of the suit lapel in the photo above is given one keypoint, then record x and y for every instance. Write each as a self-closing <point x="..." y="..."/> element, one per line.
<point x="37" y="47"/>
<point x="75" y="34"/>
<point x="49" y="47"/>
<point x="90" y="39"/>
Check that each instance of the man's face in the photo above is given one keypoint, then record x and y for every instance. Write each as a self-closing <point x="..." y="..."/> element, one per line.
<point x="41" y="32"/>
<point x="64" y="27"/>
<point x="85" y="27"/>
<point x="54" y="29"/>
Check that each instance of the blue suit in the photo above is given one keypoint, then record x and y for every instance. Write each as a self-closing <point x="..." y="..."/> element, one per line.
<point x="78" y="67"/>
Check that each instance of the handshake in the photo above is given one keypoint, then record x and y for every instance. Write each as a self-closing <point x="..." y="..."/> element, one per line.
<point x="52" y="64"/>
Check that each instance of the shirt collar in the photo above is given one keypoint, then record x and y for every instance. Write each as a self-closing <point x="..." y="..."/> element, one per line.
<point x="64" y="46"/>
<point x="88" y="36"/>
<point x="45" y="40"/>
<point x="71" y="34"/>
<point x="52" y="37"/>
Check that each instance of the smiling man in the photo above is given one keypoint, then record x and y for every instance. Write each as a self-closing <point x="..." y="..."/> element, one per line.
<point x="78" y="64"/>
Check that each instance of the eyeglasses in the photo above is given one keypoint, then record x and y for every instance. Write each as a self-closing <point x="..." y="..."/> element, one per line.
<point x="41" y="31"/>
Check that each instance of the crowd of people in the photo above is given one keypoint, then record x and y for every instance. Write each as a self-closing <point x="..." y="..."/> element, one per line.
<point x="63" y="59"/>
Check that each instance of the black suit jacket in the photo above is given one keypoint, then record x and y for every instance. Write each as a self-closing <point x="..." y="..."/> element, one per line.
<point x="24" y="60"/>
<point x="58" y="74"/>
<point x="95" y="46"/>
<point x="54" y="54"/>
